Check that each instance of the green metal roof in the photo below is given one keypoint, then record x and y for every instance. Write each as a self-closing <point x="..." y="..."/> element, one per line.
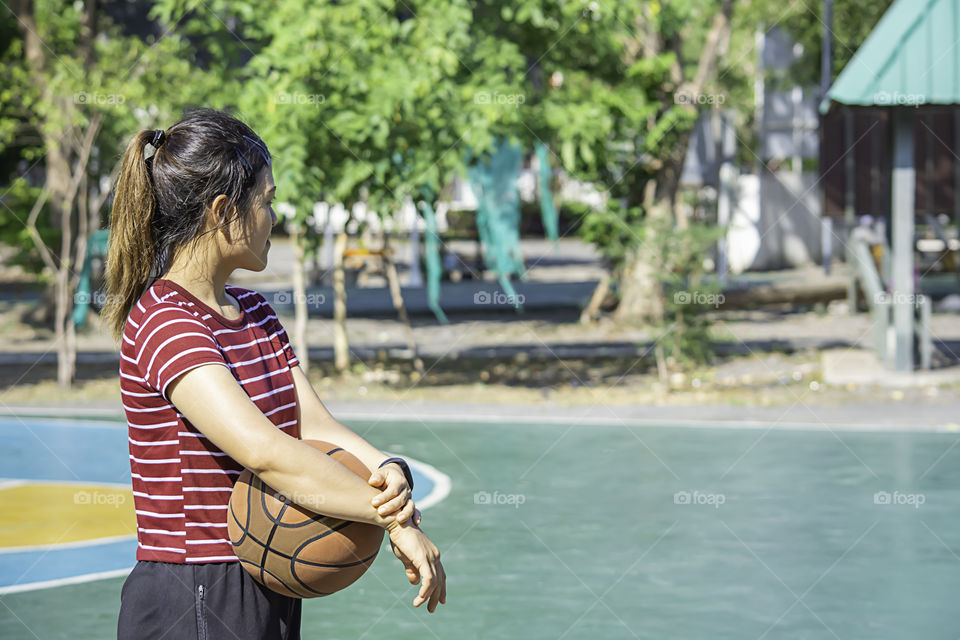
<point x="911" y="57"/>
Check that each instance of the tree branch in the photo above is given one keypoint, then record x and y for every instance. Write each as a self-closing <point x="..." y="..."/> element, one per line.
<point x="45" y="252"/>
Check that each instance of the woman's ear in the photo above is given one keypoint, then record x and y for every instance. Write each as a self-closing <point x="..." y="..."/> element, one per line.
<point x="218" y="215"/>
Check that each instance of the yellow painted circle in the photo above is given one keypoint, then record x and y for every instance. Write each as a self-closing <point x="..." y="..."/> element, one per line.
<point x="52" y="513"/>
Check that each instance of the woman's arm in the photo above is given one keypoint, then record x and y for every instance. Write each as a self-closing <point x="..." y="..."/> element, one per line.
<point x="210" y="398"/>
<point x="316" y="423"/>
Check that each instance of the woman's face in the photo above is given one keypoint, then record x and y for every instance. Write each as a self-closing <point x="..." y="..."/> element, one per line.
<point x="253" y="233"/>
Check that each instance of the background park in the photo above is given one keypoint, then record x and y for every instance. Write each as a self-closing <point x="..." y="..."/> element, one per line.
<point x="661" y="297"/>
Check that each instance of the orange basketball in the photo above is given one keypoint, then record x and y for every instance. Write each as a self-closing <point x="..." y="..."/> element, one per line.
<point x="292" y="550"/>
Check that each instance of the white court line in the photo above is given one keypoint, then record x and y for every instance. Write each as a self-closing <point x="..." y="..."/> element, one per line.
<point x="662" y="423"/>
<point x="56" y="419"/>
<point x="68" y="545"/>
<point x="48" y="584"/>
<point x="441" y="483"/>
<point x="665" y="422"/>
<point x="80" y="484"/>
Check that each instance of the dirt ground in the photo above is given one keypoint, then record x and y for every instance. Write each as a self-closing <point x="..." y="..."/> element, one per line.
<point x="768" y="358"/>
<point x="761" y="379"/>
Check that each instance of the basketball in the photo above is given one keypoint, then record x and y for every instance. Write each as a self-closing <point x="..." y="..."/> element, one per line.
<point x="292" y="550"/>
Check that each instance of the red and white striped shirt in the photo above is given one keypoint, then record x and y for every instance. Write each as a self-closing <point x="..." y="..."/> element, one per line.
<point x="181" y="480"/>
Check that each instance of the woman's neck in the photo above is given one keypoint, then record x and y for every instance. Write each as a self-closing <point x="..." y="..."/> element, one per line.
<point x="207" y="284"/>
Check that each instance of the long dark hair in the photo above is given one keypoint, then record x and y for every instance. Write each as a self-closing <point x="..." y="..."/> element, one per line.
<point x="160" y="201"/>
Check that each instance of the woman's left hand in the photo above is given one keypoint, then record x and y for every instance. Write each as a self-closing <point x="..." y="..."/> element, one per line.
<point x="396" y="494"/>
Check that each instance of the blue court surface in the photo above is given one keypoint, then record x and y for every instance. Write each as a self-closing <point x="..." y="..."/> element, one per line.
<point x="84" y="455"/>
<point x="598" y="531"/>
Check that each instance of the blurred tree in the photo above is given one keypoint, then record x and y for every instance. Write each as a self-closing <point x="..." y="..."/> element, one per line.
<point x="374" y="102"/>
<point x="74" y="85"/>
<point x="616" y="89"/>
<point x="369" y="102"/>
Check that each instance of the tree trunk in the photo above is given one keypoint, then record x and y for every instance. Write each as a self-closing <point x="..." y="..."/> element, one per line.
<point x="641" y="289"/>
<point x="397" y="297"/>
<point x="341" y="348"/>
<point x="300" y="344"/>
<point x="592" y="310"/>
<point x="63" y="148"/>
<point x="641" y="295"/>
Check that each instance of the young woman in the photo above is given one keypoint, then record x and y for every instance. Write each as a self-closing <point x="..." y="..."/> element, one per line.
<point x="210" y="385"/>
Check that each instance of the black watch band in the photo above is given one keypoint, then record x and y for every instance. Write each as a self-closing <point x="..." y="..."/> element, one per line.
<point x="403" y="465"/>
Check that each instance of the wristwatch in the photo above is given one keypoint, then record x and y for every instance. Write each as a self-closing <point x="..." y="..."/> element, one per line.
<point x="404" y="466"/>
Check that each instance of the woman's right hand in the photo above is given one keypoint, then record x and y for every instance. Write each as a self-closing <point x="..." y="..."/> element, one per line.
<point x="421" y="560"/>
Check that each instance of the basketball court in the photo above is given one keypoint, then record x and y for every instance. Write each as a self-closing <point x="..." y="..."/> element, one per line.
<point x="549" y="530"/>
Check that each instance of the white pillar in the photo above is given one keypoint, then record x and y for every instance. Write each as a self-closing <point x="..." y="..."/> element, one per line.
<point x="902" y="214"/>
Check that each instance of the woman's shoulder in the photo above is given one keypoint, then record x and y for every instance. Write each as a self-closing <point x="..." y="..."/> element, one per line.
<point x="255" y="304"/>
<point x="248" y="298"/>
<point x="156" y="299"/>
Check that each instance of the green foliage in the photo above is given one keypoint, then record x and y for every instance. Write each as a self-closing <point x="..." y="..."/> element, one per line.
<point x="124" y="81"/>
<point x="377" y="100"/>
<point x="689" y="298"/>
<point x="15" y="204"/>
<point x="614" y="231"/>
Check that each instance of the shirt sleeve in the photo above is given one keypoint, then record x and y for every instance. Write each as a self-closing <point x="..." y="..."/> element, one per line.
<point x="275" y="327"/>
<point x="170" y="342"/>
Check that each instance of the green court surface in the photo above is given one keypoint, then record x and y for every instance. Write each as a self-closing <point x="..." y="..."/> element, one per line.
<point x="567" y="531"/>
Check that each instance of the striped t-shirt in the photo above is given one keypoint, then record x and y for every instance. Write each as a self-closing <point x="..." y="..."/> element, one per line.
<point x="181" y="480"/>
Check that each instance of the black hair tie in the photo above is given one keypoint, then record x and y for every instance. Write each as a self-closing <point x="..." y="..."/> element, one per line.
<point x="158" y="138"/>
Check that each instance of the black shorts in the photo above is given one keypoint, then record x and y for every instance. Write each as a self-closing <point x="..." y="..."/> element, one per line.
<point x="204" y="601"/>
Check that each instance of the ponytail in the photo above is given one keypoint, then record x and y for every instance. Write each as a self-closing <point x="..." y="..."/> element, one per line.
<point x="159" y="203"/>
<point x="131" y="253"/>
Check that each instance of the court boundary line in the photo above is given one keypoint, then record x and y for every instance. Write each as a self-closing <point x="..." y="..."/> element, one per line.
<point x="68" y="483"/>
<point x="56" y="546"/>
<point x="441" y="483"/>
<point x="62" y="582"/>
<point x="668" y="423"/>
<point x="117" y="420"/>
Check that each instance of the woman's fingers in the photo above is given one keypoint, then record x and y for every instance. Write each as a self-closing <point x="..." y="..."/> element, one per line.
<point x="420" y="555"/>
<point x="408" y="511"/>
<point x="389" y="493"/>
<point x="435" y="596"/>
<point x="393" y="504"/>
<point x="426" y="587"/>
<point x="434" y="588"/>
<point x="412" y="575"/>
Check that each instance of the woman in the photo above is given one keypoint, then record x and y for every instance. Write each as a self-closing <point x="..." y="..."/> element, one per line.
<point x="211" y="385"/>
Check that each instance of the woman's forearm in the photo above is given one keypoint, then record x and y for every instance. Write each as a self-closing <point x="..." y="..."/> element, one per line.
<point x="317" y="482"/>
<point x="316" y="423"/>
<point x="214" y="403"/>
<point x="332" y="431"/>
